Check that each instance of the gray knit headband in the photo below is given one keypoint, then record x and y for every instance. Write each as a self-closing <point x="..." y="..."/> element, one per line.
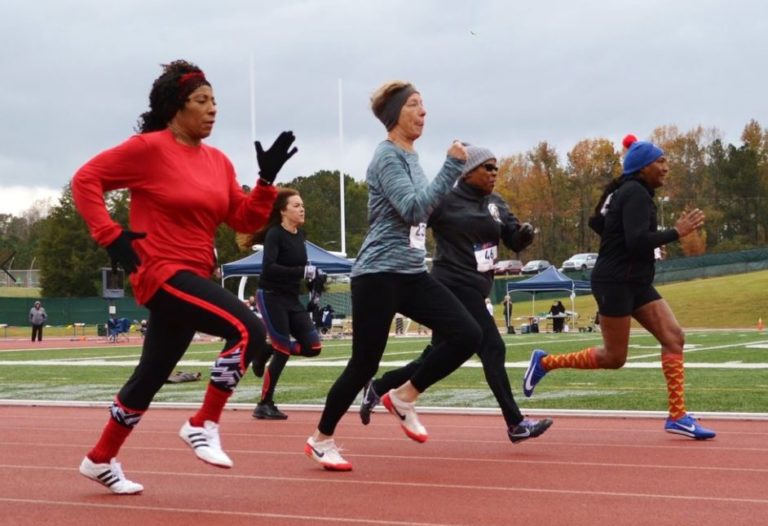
<point x="390" y="112"/>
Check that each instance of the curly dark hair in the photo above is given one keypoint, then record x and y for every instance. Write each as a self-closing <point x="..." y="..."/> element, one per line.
<point x="169" y="94"/>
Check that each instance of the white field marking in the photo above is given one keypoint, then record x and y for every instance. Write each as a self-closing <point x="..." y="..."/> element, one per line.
<point x="592" y="336"/>
<point x="712" y="348"/>
<point x="566" y="393"/>
<point x="353" y="482"/>
<point x="472" y="364"/>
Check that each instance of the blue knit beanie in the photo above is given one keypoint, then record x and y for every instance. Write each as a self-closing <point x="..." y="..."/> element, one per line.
<point x="640" y="155"/>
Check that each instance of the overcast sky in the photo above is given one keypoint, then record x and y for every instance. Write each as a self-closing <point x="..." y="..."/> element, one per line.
<point x="504" y="74"/>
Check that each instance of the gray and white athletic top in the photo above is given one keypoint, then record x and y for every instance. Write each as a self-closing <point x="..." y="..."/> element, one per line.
<point x="400" y="200"/>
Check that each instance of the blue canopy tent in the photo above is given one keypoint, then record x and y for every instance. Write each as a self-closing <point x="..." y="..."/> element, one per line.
<point x="549" y="280"/>
<point x="252" y="265"/>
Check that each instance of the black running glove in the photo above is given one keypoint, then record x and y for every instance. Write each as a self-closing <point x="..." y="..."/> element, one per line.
<point x="270" y="161"/>
<point x="121" y="251"/>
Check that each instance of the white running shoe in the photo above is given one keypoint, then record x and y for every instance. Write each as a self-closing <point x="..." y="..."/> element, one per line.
<point x="405" y="412"/>
<point x="326" y="453"/>
<point x="110" y="475"/>
<point x="206" y="444"/>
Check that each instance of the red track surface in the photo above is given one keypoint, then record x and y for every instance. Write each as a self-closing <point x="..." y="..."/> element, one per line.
<point x="583" y="471"/>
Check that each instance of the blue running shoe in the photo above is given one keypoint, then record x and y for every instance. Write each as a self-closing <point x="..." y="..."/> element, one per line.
<point x="689" y="427"/>
<point x="534" y="373"/>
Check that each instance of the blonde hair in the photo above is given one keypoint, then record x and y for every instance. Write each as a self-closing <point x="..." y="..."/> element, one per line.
<point x="384" y="95"/>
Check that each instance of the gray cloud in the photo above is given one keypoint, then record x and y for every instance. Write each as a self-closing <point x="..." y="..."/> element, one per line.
<point x="503" y="74"/>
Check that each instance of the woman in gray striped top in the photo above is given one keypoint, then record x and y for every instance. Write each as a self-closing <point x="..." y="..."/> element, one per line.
<point x="390" y="274"/>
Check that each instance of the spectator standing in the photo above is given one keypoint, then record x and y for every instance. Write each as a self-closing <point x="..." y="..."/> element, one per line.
<point x="507" y="306"/>
<point x="557" y="312"/>
<point x="38" y="319"/>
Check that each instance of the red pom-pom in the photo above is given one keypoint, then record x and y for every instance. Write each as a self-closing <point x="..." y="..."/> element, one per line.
<point x="628" y="140"/>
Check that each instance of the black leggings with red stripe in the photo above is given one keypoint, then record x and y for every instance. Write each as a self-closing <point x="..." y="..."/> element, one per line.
<point x="185" y="304"/>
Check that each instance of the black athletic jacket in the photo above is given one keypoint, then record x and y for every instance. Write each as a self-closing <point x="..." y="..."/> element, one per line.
<point x="285" y="256"/>
<point x="630" y="236"/>
<point x="466" y="220"/>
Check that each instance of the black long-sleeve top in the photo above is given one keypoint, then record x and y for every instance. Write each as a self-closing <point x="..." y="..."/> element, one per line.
<point x="630" y="236"/>
<point x="466" y="222"/>
<point x="285" y="257"/>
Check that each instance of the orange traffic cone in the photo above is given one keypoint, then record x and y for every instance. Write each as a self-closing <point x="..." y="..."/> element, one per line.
<point x="760" y="325"/>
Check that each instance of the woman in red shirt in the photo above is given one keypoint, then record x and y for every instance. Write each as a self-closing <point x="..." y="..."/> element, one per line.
<point x="181" y="190"/>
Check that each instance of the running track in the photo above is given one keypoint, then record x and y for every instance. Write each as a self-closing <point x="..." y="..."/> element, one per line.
<point x="583" y="471"/>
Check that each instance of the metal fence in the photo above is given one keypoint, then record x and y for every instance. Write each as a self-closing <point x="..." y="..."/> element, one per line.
<point x="24" y="278"/>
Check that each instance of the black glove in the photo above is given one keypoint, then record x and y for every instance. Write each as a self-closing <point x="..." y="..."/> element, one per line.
<point x="525" y="235"/>
<point x="121" y="251"/>
<point x="270" y="161"/>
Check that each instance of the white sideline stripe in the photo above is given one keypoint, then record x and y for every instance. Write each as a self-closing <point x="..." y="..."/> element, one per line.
<point x="697" y="348"/>
<point x="238" y="406"/>
<point x="475" y="364"/>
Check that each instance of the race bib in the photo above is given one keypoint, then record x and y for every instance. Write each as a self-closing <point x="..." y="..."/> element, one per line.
<point x="418" y="237"/>
<point x="485" y="255"/>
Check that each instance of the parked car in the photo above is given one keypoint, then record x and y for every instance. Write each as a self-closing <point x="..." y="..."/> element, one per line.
<point x="535" y="266"/>
<point x="580" y="262"/>
<point x="507" y="267"/>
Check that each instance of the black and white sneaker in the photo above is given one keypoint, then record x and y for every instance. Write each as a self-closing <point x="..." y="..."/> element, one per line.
<point x="370" y="401"/>
<point x="111" y="476"/>
<point x="528" y="429"/>
<point x="206" y="444"/>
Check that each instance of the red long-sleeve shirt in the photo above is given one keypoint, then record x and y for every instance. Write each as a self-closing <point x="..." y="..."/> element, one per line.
<point x="179" y="196"/>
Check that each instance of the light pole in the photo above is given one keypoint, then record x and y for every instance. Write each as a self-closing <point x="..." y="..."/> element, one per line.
<point x="663" y="199"/>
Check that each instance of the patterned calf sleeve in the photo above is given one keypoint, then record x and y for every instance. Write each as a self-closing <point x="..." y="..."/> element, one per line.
<point x="120" y="424"/>
<point x="227" y="370"/>
<point x="225" y="375"/>
<point x="584" y="359"/>
<point x="674" y="374"/>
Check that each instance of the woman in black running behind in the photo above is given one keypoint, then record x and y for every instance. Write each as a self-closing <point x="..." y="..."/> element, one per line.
<point x="285" y="266"/>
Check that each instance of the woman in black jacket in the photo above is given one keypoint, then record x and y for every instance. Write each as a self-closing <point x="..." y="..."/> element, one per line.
<point x="622" y="283"/>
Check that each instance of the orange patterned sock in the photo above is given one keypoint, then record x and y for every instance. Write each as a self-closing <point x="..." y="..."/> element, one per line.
<point x="674" y="373"/>
<point x="583" y="359"/>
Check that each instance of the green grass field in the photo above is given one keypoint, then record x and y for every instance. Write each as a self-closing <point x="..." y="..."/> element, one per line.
<point x="727" y="371"/>
<point x="727" y="364"/>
